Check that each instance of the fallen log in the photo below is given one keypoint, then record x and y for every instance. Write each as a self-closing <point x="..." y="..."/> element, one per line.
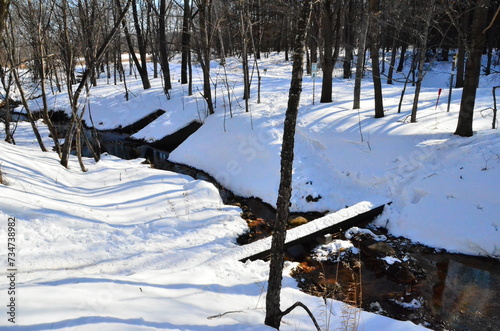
<point x="346" y="218"/>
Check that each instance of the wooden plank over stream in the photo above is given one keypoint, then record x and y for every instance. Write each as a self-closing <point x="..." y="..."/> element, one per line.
<point x="343" y="219"/>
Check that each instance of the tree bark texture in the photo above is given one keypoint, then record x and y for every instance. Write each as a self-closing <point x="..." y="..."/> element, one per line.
<point x="377" y="82"/>
<point x="204" y="47"/>
<point x="141" y="66"/>
<point x="473" y="69"/>
<point x="360" y="62"/>
<point x="165" y="67"/>
<point x="186" y="38"/>
<point x="348" y="40"/>
<point x="273" y="310"/>
<point x="331" y="24"/>
<point x="402" y="56"/>
<point x="394" y="50"/>
<point x="327" y="59"/>
<point x="421" y="62"/>
<point x="462" y="49"/>
<point x="4" y="10"/>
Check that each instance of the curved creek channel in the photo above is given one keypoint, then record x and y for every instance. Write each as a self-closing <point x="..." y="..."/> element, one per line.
<point x="393" y="277"/>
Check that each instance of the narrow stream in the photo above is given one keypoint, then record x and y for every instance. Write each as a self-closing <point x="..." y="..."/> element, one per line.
<point x="439" y="290"/>
<point x="407" y="281"/>
<point x="436" y="289"/>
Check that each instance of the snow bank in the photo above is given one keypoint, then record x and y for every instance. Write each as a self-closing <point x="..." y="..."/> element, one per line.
<point x="443" y="186"/>
<point x="128" y="247"/>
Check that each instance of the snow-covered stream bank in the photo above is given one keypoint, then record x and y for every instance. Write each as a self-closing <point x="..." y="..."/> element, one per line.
<point x="127" y="247"/>
<point x="438" y="307"/>
<point x="416" y="283"/>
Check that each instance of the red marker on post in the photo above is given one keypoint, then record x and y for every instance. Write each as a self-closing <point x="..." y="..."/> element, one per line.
<point x="437" y="101"/>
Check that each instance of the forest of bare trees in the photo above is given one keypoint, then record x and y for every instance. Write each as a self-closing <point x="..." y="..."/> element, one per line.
<point x="48" y="39"/>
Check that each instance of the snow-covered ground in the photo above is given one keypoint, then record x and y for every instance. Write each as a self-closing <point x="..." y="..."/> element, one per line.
<point x="443" y="187"/>
<point x="124" y="246"/>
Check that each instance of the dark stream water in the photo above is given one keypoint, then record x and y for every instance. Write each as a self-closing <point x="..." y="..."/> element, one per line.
<point x="436" y="289"/>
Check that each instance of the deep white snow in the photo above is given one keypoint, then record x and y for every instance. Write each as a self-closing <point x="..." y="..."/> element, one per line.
<point x="128" y="247"/>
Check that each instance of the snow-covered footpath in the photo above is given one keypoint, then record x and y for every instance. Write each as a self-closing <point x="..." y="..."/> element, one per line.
<point x="127" y="247"/>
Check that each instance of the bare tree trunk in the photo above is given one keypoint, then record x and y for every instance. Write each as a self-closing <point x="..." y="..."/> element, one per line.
<point x="421" y="60"/>
<point x="314" y="32"/>
<point x="285" y="36"/>
<point x="256" y="62"/>
<point x="7" y="85"/>
<point x="4" y="10"/>
<point x="190" y="71"/>
<point x="76" y="118"/>
<point x="349" y="41"/>
<point x="186" y="38"/>
<point x="155" y="39"/>
<point x="273" y="310"/>
<point x="401" y="62"/>
<point x="394" y="50"/>
<point x="45" y="111"/>
<point x="142" y="47"/>
<point x="78" y="146"/>
<point x="245" y="26"/>
<point x="418" y="85"/>
<point x="142" y="65"/>
<point x="226" y="81"/>
<point x="11" y="57"/>
<point x="165" y="67"/>
<point x="462" y="26"/>
<point x="204" y="48"/>
<point x="459" y="82"/>
<point x="489" y="52"/>
<point x="360" y="62"/>
<point x="327" y="58"/>
<point x="473" y="69"/>
<point x="377" y="82"/>
<point x="257" y="41"/>
<point x="26" y="107"/>
<point x="332" y="19"/>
